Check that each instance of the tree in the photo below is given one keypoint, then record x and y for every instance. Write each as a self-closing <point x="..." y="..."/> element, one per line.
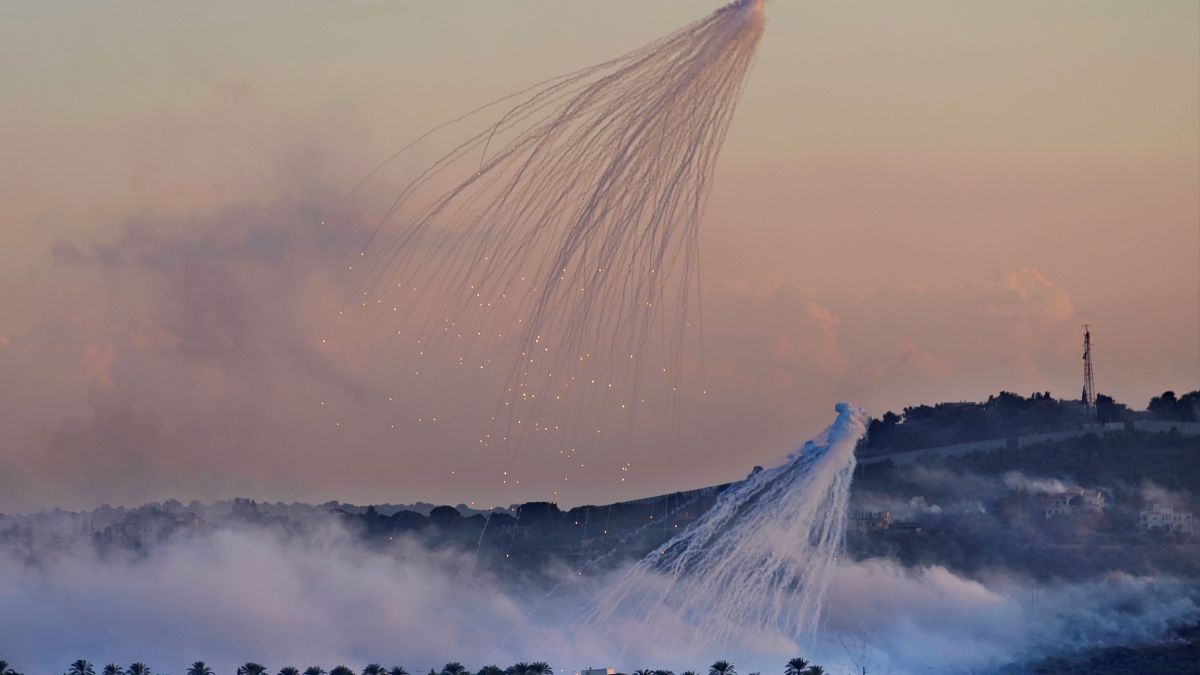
<point x="491" y="670"/>
<point x="199" y="668"/>
<point x="539" y="668"/>
<point x="452" y="668"/>
<point x="373" y="668"/>
<point x="519" y="668"/>
<point x="721" y="668"/>
<point x="341" y="670"/>
<point x="397" y="670"/>
<point x="318" y="670"/>
<point x="664" y="672"/>
<point x="815" y="670"/>
<point x="1108" y="410"/>
<point x="643" y="671"/>
<point x="5" y="670"/>
<point x="289" y="670"/>
<point x="113" y="669"/>
<point x="138" y="668"/>
<point x="1185" y="408"/>
<point x="252" y="668"/>
<point x="81" y="667"/>
<point x="1163" y="406"/>
<point x="795" y="666"/>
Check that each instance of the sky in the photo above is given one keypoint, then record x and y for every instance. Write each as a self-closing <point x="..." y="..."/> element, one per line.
<point x="916" y="202"/>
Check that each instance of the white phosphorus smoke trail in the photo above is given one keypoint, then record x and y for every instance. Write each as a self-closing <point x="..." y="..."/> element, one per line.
<point x="570" y="226"/>
<point x="756" y="566"/>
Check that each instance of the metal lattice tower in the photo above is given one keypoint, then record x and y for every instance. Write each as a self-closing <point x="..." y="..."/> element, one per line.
<point x="1089" y="384"/>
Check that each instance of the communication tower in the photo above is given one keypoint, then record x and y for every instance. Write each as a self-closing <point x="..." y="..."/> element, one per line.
<point x="1089" y="384"/>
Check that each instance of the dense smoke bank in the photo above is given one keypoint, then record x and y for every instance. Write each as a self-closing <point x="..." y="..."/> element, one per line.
<point x="242" y="592"/>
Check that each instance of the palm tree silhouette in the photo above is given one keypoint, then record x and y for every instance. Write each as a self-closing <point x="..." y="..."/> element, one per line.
<point x="814" y="670"/>
<point x="397" y="670"/>
<point x="664" y="672"/>
<point x="519" y="668"/>
<point x="138" y="668"/>
<point x="251" y="668"/>
<point x="643" y="671"/>
<point x="318" y="670"/>
<point x="289" y="670"/>
<point x="341" y="670"/>
<point x="81" y="667"/>
<point x="490" y="670"/>
<point x="539" y="668"/>
<point x="795" y="666"/>
<point x="721" y="668"/>
<point x="113" y="669"/>
<point x="373" y="669"/>
<point x="452" y="668"/>
<point x="197" y="668"/>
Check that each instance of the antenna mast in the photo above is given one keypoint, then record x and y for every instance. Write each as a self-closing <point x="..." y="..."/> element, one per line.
<point x="1089" y="385"/>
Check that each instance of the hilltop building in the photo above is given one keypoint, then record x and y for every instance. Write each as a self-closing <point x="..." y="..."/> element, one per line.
<point x="1077" y="501"/>
<point x="871" y="521"/>
<point x="1164" y="517"/>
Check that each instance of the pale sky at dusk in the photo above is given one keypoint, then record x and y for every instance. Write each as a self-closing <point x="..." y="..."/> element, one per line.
<point x="917" y="202"/>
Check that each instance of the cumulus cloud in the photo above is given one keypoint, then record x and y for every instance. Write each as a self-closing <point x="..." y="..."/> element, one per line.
<point x="183" y="354"/>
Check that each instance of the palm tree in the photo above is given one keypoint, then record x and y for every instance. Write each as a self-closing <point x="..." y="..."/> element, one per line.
<point x="81" y="667"/>
<point x="341" y="670"/>
<point x="539" y="668"/>
<point x="486" y="670"/>
<point x="113" y="669"/>
<point x="138" y="668"/>
<point x="814" y="670"/>
<point x="286" y="670"/>
<point x="452" y="668"/>
<point x="795" y="666"/>
<point x="199" y="668"/>
<point x="373" y="669"/>
<point x="721" y="668"/>
<point x="519" y="668"/>
<point x="664" y="672"/>
<point x="397" y="670"/>
<point x="318" y="670"/>
<point x="251" y="668"/>
<point x="643" y="671"/>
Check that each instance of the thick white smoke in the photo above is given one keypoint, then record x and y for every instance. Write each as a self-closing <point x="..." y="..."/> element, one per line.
<point x="903" y="620"/>
<point x="252" y="594"/>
